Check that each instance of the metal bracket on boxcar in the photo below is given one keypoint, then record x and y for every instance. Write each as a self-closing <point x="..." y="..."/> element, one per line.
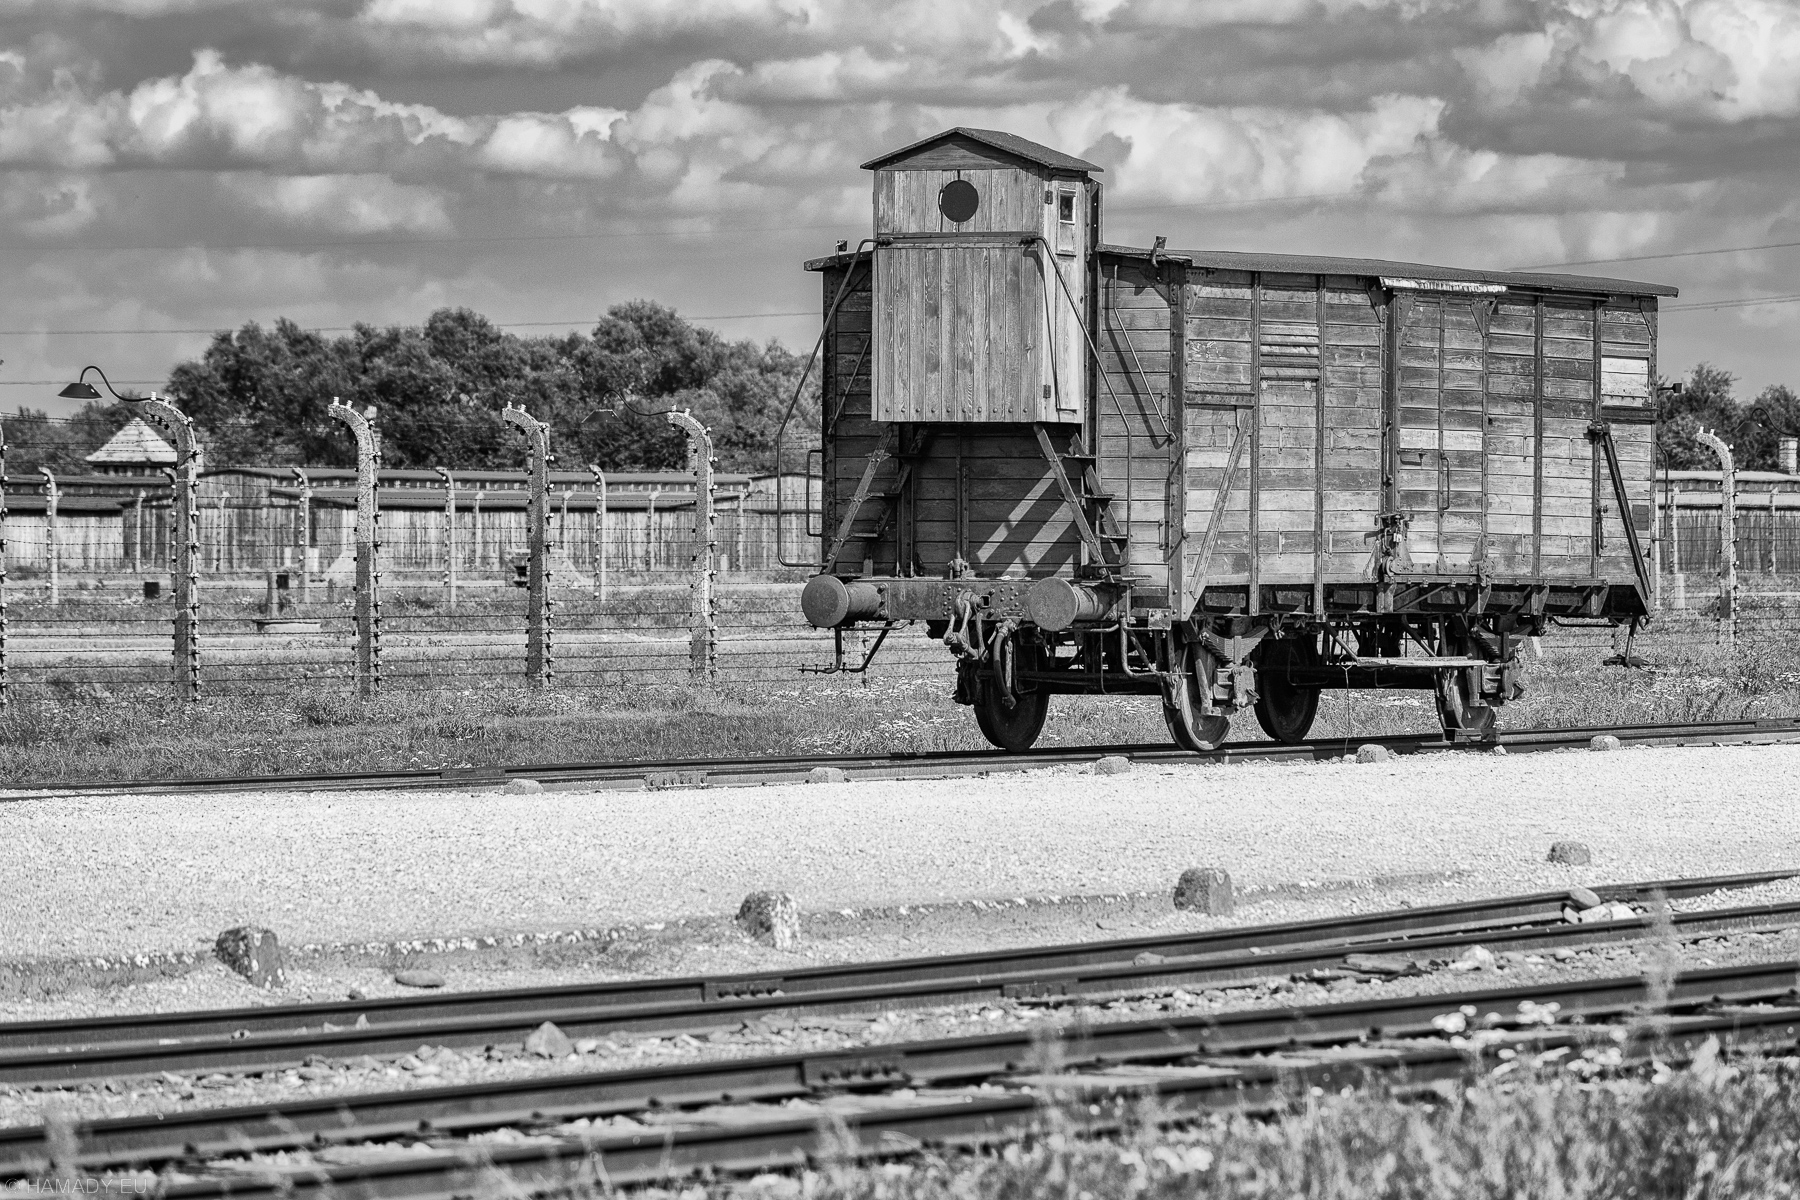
<point x="1232" y="649"/>
<point x="837" y="666"/>
<point x="1389" y="537"/>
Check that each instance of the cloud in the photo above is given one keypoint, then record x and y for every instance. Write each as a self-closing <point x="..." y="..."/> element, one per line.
<point x="718" y="133"/>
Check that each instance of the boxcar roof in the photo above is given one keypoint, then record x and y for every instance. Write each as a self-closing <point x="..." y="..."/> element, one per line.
<point x="1312" y="264"/>
<point x="1007" y="143"/>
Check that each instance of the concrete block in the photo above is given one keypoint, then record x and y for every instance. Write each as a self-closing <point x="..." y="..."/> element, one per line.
<point x="1113" y="764"/>
<point x="1372" y="753"/>
<point x="1205" y="889"/>
<point x="1570" y="854"/>
<point x="1603" y="742"/>
<point x="826" y="775"/>
<point x="522" y="787"/>
<point x="771" y="917"/>
<point x="254" y="953"/>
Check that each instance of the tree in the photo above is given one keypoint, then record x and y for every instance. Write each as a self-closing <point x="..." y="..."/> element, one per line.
<point x="260" y="396"/>
<point x="1704" y="400"/>
<point x="36" y="439"/>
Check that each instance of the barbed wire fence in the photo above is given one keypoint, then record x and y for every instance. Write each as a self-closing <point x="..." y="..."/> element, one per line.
<point x="171" y="582"/>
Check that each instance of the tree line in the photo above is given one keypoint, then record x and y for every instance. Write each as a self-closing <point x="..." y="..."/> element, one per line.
<point x="258" y="396"/>
<point x="1706" y="399"/>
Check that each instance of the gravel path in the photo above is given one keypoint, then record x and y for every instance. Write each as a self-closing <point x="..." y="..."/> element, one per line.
<point x="96" y="875"/>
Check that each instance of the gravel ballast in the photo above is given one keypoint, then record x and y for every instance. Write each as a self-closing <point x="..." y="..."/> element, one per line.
<point x="118" y="874"/>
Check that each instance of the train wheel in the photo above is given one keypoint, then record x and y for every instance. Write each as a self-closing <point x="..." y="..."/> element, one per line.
<point x="1463" y="718"/>
<point x="1010" y="718"/>
<point x="1285" y="710"/>
<point x="1191" y="728"/>
<point x="1014" y="729"/>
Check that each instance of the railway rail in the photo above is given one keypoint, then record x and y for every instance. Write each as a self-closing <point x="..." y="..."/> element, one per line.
<point x="750" y="772"/>
<point x="889" y="1099"/>
<point x="49" y="1053"/>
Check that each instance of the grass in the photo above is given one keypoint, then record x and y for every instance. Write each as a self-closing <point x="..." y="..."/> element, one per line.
<point x="66" y="731"/>
<point x="1712" y="1131"/>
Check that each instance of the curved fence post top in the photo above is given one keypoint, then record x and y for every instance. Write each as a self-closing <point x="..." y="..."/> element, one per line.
<point x="1717" y="444"/>
<point x="172" y="419"/>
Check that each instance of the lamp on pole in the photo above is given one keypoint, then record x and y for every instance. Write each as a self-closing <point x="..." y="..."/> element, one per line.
<point x="184" y="532"/>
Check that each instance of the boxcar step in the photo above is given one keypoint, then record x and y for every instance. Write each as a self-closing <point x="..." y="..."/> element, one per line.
<point x="1418" y="662"/>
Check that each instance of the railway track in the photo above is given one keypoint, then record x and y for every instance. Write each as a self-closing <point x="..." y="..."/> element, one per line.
<point x="651" y="1124"/>
<point x="742" y="772"/>
<point x="50" y="1053"/>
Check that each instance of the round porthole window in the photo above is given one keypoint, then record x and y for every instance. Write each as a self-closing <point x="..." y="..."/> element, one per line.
<point x="959" y="200"/>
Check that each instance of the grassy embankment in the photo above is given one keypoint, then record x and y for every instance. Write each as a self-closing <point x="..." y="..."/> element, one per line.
<point x="765" y="706"/>
<point x="1710" y="1132"/>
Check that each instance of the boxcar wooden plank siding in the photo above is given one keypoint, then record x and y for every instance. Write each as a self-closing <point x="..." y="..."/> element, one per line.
<point x="1468" y="413"/>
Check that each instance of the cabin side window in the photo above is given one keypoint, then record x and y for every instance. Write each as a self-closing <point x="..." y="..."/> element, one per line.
<point x="1066" y="242"/>
<point x="1624" y="380"/>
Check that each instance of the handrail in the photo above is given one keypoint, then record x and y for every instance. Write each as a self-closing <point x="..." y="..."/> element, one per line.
<point x="799" y="387"/>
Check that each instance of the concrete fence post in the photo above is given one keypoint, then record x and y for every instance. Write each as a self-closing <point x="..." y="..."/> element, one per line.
<point x="1728" y="581"/>
<point x="2" y="564"/>
<point x="368" y="545"/>
<point x="475" y="532"/>
<point x="219" y="545"/>
<point x="538" y="667"/>
<point x="601" y="532"/>
<point x="650" y="531"/>
<point x="703" y="638"/>
<point x="137" y="530"/>
<point x="303" y="534"/>
<point x="184" y="541"/>
<point x="449" y="537"/>
<point x="52" y="551"/>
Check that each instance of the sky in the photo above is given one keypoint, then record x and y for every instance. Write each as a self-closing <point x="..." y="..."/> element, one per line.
<point x="171" y="167"/>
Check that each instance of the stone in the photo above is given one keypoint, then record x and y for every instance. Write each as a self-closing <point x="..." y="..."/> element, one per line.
<point x="1603" y="742"/>
<point x="254" y="953"/>
<point x="1583" y="898"/>
<point x="522" y="787"/>
<point x="1381" y="964"/>
<point x="547" y="1041"/>
<point x="419" y="979"/>
<point x="1565" y="955"/>
<point x="771" y="917"/>
<point x="1499" y="750"/>
<point x="826" y="775"/>
<point x="1205" y="889"/>
<point x="1113" y="764"/>
<point x="1477" y="957"/>
<point x="1608" y="912"/>
<point x="1570" y="854"/>
<point x="1370" y="752"/>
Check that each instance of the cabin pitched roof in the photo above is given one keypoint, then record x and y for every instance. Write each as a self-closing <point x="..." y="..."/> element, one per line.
<point x="135" y="443"/>
<point x="1007" y="143"/>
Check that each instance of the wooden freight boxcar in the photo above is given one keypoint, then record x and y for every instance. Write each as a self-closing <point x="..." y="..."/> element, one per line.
<point x="1228" y="479"/>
